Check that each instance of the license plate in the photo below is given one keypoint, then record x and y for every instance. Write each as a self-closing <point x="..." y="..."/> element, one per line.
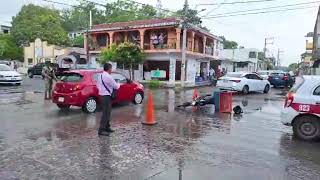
<point x="13" y="79"/>
<point x="225" y="81"/>
<point x="276" y="78"/>
<point x="61" y="99"/>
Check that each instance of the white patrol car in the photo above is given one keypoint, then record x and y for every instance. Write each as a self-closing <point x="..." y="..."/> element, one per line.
<point x="302" y="108"/>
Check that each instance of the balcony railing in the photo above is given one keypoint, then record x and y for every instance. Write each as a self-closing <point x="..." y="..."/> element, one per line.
<point x="209" y="50"/>
<point x="169" y="43"/>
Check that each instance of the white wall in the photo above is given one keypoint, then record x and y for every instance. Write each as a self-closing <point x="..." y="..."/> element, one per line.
<point x="228" y="65"/>
<point x="240" y="55"/>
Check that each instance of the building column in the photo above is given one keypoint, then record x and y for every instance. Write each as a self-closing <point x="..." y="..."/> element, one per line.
<point x="111" y="37"/>
<point x="172" y="70"/>
<point x="178" y="31"/>
<point x="204" y="44"/>
<point x="85" y="45"/>
<point x="125" y="36"/>
<point x="142" y="31"/>
<point x="193" y="36"/>
<point x="140" y="72"/>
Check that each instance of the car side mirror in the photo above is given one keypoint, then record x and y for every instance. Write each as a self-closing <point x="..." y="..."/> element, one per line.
<point x="129" y="81"/>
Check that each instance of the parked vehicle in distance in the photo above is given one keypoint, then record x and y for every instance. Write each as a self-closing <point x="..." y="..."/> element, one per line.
<point x="265" y="73"/>
<point x="8" y="76"/>
<point x="302" y="108"/>
<point x="37" y="69"/>
<point x="78" y="88"/>
<point x="244" y="82"/>
<point x="281" y="79"/>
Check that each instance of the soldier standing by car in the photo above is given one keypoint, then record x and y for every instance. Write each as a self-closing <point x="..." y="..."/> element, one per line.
<point x="48" y="73"/>
<point x="107" y="87"/>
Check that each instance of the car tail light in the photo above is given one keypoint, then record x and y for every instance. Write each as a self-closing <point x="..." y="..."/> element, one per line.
<point x="77" y="87"/>
<point x="236" y="81"/>
<point x="289" y="99"/>
<point x="285" y="78"/>
<point x="269" y="78"/>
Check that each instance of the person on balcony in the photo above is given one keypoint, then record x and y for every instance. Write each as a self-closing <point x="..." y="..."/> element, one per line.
<point x="136" y="39"/>
<point x="161" y="40"/>
<point x="154" y="40"/>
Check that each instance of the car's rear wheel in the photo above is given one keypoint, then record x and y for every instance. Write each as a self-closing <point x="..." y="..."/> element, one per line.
<point x="63" y="106"/>
<point x="138" y="98"/>
<point x="307" y="128"/>
<point x="90" y="106"/>
<point x="266" y="89"/>
<point x="245" y="89"/>
<point x="30" y="74"/>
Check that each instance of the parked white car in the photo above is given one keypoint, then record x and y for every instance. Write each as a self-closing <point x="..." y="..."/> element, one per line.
<point x="265" y="73"/>
<point x="244" y="82"/>
<point x="8" y="76"/>
<point x="302" y="108"/>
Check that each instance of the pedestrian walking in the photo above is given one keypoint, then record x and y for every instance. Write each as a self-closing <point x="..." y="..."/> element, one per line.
<point x="48" y="74"/>
<point x="107" y="87"/>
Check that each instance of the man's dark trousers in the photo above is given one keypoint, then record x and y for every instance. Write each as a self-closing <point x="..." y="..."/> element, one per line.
<point x="106" y="112"/>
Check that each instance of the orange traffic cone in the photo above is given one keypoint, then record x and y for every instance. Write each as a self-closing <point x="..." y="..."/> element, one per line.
<point x="150" y="112"/>
<point x="195" y="94"/>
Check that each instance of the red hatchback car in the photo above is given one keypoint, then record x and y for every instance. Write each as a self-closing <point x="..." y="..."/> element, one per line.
<point x="78" y="88"/>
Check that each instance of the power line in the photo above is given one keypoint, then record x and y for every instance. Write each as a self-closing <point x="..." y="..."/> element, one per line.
<point x="262" y="12"/>
<point x="56" y="2"/>
<point x="219" y="6"/>
<point x="235" y="2"/>
<point x="265" y="8"/>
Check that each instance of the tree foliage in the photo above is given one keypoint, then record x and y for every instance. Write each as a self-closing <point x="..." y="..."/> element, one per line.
<point x="126" y="54"/>
<point x="8" y="48"/>
<point x="77" y="18"/>
<point x="191" y="16"/>
<point x="38" y="22"/>
<point x="293" y="66"/>
<point x="228" y="44"/>
<point x="78" y="41"/>
<point x="125" y="10"/>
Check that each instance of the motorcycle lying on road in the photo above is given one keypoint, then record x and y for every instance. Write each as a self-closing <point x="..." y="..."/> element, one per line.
<point x="205" y="100"/>
<point x="199" y="101"/>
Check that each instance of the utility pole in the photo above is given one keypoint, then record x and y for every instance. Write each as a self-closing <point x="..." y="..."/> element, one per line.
<point x="184" y="50"/>
<point x="265" y="45"/>
<point x="89" y="25"/>
<point x="278" y="57"/>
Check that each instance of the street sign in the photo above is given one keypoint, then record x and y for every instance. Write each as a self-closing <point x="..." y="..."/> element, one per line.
<point x="158" y="73"/>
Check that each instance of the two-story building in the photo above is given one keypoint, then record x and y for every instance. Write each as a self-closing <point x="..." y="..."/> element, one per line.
<point x="5" y="29"/>
<point x="245" y="59"/>
<point x="161" y="40"/>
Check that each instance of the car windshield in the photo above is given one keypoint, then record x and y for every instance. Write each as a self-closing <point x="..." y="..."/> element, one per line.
<point x="263" y="73"/>
<point x="71" y="77"/>
<point x="235" y="75"/>
<point x="4" y="68"/>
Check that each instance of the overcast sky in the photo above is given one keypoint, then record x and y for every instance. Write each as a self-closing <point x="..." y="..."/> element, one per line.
<point x="288" y="28"/>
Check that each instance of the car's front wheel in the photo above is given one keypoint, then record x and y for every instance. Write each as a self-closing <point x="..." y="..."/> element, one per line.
<point x="90" y="106"/>
<point x="30" y="74"/>
<point x="307" y="128"/>
<point x="138" y="98"/>
<point x="245" y="89"/>
<point x="266" y="89"/>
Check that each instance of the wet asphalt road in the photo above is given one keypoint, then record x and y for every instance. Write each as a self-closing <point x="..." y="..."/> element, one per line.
<point x="37" y="141"/>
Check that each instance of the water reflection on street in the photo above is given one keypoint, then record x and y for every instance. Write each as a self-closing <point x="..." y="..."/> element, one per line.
<point x="37" y="141"/>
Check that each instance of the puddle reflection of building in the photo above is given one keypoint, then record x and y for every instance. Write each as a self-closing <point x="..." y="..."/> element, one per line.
<point x="105" y="159"/>
<point x="171" y="100"/>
